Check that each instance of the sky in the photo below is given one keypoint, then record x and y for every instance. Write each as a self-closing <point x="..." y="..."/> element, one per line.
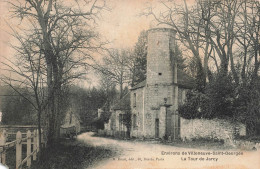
<point x="122" y="25"/>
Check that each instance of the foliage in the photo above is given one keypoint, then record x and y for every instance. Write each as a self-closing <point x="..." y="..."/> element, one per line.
<point x="247" y="107"/>
<point x="193" y="107"/>
<point x="200" y="78"/>
<point x="140" y="54"/>
<point x="127" y="120"/>
<point x="222" y="99"/>
<point x="100" y="121"/>
<point x="221" y="93"/>
<point x="85" y="102"/>
<point x="177" y="56"/>
<point x="127" y="117"/>
<point x="17" y="110"/>
<point x="217" y="101"/>
<point x="99" y="124"/>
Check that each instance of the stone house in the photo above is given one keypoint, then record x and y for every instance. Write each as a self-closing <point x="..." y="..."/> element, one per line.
<point x="117" y="122"/>
<point x="154" y="102"/>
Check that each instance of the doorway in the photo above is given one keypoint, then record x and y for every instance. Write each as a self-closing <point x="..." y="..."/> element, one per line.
<point x="156" y="128"/>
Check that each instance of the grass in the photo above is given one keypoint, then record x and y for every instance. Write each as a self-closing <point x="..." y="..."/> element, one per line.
<point x="250" y="138"/>
<point x="10" y="156"/>
<point x="71" y="154"/>
<point x="68" y="154"/>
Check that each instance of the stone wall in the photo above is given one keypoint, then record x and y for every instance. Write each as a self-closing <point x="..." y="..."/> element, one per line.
<point x="137" y="109"/>
<point x="112" y="133"/>
<point x="214" y="129"/>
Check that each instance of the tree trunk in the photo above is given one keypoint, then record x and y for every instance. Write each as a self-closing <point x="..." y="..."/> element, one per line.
<point x="40" y="132"/>
<point x="121" y="90"/>
<point x="50" y="107"/>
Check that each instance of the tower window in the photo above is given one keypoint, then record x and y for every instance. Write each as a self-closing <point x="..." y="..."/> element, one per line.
<point x="159" y="74"/>
<point x="134" y="99"/>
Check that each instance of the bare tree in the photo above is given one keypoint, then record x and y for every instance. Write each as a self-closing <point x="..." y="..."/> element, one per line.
<point x="210" y="31"/>
<point x="192" y="27"/>
<point x="223" y="38"/>
<point x="28" y="71"/>
<point x="109" y="88"/>
<point x="248" y="27"/>
<point x="117" y="67"/>
<point x="67" y="41"/>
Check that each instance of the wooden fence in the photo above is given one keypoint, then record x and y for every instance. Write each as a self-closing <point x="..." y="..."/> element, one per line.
<point x="31" y="140"/>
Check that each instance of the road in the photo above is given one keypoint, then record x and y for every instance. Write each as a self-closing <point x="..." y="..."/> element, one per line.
<point x="151" y="155"/>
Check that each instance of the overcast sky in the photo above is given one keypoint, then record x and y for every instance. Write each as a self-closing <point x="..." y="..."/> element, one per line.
<point x="121" y="25"/>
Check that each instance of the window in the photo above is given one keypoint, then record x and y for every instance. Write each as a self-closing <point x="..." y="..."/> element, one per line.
<point x="134" y="100"/>
<point x="121" y="122"/>
<point x="134" y="121"/>
<point x="111" y="124"/>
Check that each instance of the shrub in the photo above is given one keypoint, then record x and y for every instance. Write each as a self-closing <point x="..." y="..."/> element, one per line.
<point x="216" y="101"/>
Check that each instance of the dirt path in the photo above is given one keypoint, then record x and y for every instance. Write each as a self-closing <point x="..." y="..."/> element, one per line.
<point x="144" y="155"/>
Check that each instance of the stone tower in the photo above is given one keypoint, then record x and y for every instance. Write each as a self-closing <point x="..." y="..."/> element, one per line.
<point x="159" y="59"/>
<point x="160" y="84"/>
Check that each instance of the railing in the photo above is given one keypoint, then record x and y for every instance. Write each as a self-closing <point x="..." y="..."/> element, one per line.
<point x="29" y="140"/>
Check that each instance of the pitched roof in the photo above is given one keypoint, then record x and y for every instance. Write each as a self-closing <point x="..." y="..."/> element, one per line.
<point x="122" y="104"/>
<point x="184" y="81"/>
<point x="139" y="85"/>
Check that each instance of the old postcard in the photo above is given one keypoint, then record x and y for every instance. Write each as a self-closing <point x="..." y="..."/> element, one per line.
<point x="130" y="84"/>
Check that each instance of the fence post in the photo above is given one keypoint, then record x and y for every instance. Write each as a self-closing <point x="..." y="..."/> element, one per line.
<point x="38" y="138"/>
<point x="34" y="144"/>
<point x="3" y="141"/>
<point x="29" y="147"/>
<point x="42" y="139"/>
<point x="18" y="148"/>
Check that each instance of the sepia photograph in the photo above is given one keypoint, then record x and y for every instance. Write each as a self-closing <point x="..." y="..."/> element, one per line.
<point x="129" y="84"/>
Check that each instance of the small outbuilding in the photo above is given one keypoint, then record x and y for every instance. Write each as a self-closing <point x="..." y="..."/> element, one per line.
<point x="71" y="124"/>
